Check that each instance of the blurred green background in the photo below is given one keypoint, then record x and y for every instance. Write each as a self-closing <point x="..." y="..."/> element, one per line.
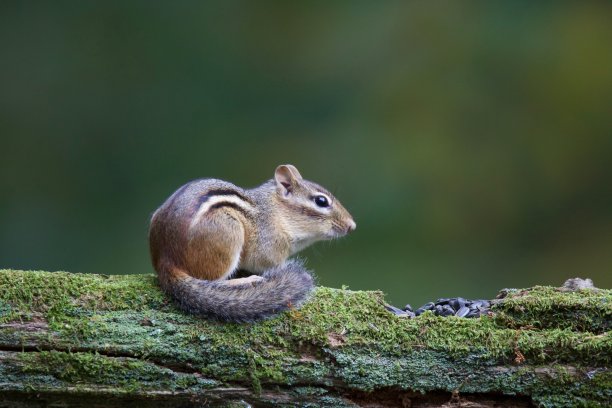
<point x="472" y="141"/>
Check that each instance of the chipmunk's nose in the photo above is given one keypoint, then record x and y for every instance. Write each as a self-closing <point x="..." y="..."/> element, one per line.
<point x="351" y="226"/>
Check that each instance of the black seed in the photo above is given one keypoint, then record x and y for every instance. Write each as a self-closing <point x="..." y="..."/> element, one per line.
<point x="447" y="311"/>
<point x="428" y="306"/>
<point x="473" y="313"/>
<point x="420" y="311"/>
<point x="458" y="303"/>
<point x="438" y="310"/>
<point x="475" y="304"/>
<point x="462" y="311"/>
<point x="408" y="308"/>
<point x="395" y="310"/>
<point x="442" y="301"/>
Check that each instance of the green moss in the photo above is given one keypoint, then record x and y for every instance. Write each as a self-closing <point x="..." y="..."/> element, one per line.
<point x="544" y="307"/>
<point x="61" y="296"/>
<point x="125" y="374"/>
<point x="114" y="308"/>
<point x="594" y="391"/>
<point x="359" y="319"/>
<point x="338" y="336"/>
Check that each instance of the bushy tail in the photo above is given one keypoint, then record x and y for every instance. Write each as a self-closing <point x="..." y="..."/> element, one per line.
<point x="283" y="287"/>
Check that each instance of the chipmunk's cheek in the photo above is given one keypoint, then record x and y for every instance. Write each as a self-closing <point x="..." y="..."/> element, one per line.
<point x="335" y="231"/>
<point x="332" y="235"/>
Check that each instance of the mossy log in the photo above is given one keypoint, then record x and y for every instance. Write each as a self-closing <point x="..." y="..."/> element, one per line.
<point x="99" y="341"/>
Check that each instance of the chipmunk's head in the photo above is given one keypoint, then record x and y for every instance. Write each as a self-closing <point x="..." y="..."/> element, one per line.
<point x="312" y="212"/>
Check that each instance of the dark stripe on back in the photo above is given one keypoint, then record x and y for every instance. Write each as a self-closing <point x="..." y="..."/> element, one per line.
<point x="222" y="192"/>
<point x="231" y="205"/>
<point x="219" y="192"/>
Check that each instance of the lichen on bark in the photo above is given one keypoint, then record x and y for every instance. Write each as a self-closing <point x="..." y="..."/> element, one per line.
<point x="119" y="336"/>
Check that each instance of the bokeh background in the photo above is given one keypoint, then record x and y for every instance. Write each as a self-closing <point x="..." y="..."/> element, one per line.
<point x="472" y="141"/>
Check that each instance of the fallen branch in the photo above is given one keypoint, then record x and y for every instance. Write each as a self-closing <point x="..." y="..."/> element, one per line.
<point x="94" y="340"/>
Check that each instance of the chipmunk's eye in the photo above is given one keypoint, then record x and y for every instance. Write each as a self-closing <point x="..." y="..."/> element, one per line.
<point x="321" y="201"/>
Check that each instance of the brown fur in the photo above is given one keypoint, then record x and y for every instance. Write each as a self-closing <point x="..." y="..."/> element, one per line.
<point x="208" y="229"/>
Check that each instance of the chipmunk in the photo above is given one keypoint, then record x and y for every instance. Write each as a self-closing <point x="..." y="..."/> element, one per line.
<point x="209" y="229"/>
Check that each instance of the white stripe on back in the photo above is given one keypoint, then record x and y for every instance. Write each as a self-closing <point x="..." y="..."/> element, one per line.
<point x="212" y="200"/>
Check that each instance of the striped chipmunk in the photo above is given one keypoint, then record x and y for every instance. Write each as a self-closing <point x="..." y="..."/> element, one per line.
<point x="209" y="229"/>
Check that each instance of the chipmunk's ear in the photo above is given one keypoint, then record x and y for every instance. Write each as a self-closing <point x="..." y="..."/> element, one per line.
<point x="287" y="177"/>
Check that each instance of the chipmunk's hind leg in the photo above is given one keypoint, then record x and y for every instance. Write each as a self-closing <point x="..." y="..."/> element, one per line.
<point x="214" y="247"/>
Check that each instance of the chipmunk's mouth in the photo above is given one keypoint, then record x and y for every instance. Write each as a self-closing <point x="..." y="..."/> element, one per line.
<point x="340" y="230"/>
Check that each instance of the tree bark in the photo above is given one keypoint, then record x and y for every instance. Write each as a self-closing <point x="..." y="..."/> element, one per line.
<point x="106" y="341"/>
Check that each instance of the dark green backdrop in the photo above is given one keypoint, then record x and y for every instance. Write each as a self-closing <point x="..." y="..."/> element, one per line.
<point x="471" y="141"/>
